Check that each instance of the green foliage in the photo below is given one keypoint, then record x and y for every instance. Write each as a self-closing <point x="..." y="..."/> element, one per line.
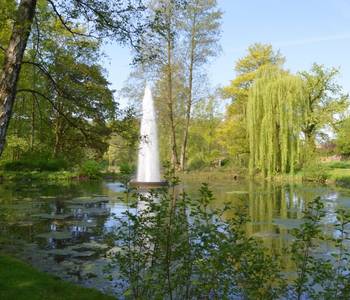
<point x="127" y="169"/>
<point x="40" y="163"/>
<point x="196" y="163"/>
<point x="325" y="103"/>
<point x="176" y="247"/>
<point x="232" y="132"/>
<point x="338" y="165"/>
<point x="64" y="104"/>
<point x="323" y="276"/>
<point x="181" y="248"/>
<point x="91" y="169"/>
<point x="301" y="251"/>
<point x="275" y="114"/>
<point x="343" y="138"/>
<point x="203" y="148"/>
<point x="315" y="172"/>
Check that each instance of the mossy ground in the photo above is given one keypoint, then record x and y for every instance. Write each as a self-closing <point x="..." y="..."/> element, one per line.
<point x="20" y="281"/>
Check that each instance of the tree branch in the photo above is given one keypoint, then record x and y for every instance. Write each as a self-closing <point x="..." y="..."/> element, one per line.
<point x="34" y="92"/>
<point x="65" y="24"/>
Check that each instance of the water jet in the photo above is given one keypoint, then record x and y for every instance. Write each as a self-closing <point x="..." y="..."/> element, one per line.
<point x="148" y="166"/>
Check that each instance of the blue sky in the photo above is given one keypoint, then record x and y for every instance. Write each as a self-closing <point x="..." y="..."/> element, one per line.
<point x="305" y="31"/>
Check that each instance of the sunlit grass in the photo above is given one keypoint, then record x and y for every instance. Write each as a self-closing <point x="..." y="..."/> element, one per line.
<point x="20" y="281"/>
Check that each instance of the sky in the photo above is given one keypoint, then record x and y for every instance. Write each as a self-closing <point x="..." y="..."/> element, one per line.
<point x="305" y="32"/>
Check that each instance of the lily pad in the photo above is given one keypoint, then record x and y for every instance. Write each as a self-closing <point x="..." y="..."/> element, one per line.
<point x="53" y="216"/>
<point x="56" y="235"/>
<point x="61" y="252"/>
<point x="82" y="223"/>
<point x="84" y="254"/>
<point x="90" y="246"/>
<point x="89" y="201"/>
<point x="94" y="211"/>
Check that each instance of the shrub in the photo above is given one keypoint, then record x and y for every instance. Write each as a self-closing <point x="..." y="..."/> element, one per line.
<point x="91" y="169"/>
<point x="173" y="247"/>
<point x="126" y="169"/>
<point x="35" y="164"/>
<point x="196" y="164"/>
<point x="316" y="173"/>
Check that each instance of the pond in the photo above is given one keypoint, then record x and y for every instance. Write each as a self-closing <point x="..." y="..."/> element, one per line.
<point x="65" y="230"/>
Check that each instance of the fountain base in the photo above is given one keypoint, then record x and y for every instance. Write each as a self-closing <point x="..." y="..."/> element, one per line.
<point x="148" y="185"/>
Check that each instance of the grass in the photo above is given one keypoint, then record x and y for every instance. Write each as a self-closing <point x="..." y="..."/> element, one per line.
<point x="338" y="173"/>
<point x="20" y="281"/>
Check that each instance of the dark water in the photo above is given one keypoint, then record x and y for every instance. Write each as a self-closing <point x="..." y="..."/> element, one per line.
<point x="65" y="230"/>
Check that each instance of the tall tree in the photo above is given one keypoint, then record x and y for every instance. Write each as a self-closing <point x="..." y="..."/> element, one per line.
<point x="12" y="63"/>
<point x="325" y="102"/>
<point x="203" y="148"/>
<point x="113" y="19"/>
<point x="275" y="113"/>
<point x="201" y="27"/>
<point x="160" y="59"/>
<point x="233" y="130"/>
<point x="343" y="137"/>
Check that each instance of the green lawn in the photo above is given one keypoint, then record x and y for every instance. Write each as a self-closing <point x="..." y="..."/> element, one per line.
<point x="339" y="172"/>
<point x="20" y="281"/>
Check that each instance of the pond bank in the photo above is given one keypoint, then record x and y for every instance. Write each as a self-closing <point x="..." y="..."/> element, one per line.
<point x="19" y="281"/>
<point x="339" y="177"/>
<point x="51" y="176"/>
<point x="325" y="174"/>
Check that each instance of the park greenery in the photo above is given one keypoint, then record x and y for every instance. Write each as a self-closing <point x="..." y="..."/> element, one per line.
<point x="178" y="247"/>
<point x="65" y="117"/>
<point x="60" y="120"/>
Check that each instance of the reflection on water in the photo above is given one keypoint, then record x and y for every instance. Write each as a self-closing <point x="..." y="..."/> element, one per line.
<point x="66" y="230"/>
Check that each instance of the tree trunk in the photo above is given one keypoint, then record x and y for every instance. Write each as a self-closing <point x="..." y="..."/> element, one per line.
<point x="187" y="124"/>
<point x="12" y="64"/>
<point x="188" y="106"/>
<point x="190" y="93"/>
<point x="174" y="156"/>
<point x="310" y="143"/>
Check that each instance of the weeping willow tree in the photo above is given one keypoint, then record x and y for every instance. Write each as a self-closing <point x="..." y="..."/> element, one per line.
<point x="275" y="112"/>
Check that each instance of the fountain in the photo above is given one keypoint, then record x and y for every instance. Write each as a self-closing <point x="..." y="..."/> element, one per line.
<point x="148" y="168"/>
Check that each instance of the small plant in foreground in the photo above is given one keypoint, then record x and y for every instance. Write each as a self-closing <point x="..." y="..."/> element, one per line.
<point x="173" y="246"/>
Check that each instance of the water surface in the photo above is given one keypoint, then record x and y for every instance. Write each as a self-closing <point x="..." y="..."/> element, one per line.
<point x="66" y="230"/>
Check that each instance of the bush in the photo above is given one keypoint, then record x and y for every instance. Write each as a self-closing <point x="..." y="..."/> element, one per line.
<point x="316" y="173"/>
<point x="126" y="169"/>
<point x="35" y="164"/>
<point x="91" y="169"/>
<point x="185" y="248"/>
<point x="196" y="164"/>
